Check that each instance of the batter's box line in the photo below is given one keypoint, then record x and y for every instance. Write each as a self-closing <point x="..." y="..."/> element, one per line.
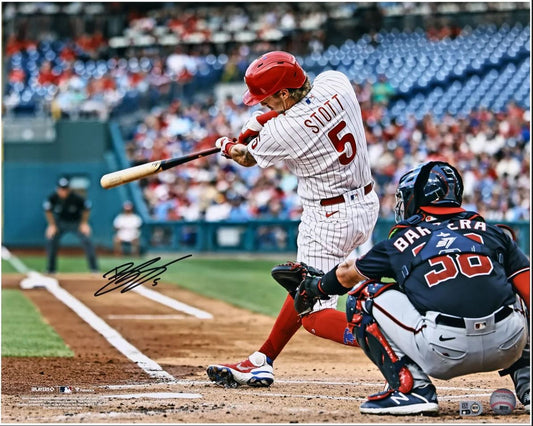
<point x="293" y="382"/>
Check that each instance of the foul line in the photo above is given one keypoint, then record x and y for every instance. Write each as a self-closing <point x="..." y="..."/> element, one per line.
<point x="35" y="279"/>
<point x="15" y="261"/>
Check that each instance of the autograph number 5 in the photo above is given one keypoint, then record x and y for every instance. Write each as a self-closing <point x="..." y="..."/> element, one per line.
<point x="130" y="276"/>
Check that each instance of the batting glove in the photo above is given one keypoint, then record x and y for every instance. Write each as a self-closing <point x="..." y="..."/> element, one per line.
<point x="254" y="125"/>
<point x="225" y="144"/>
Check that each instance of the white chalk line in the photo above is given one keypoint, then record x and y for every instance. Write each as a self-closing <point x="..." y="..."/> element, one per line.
<point x="184" y="382"/>
<point x="148" y="317"/>
<point x="172" y="303"/>
<point x="152" y="368"/>
<point x="14" y="261"/>
<point x="156" y="395"/>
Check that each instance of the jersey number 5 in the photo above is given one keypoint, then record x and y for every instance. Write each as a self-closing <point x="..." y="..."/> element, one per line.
<point x="448" y="266"/>
<point x="345" y="145"/>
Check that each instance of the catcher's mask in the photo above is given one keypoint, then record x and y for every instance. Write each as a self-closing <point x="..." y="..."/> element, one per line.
<point x="269" y="74"/>
<point x="435" y="183"/>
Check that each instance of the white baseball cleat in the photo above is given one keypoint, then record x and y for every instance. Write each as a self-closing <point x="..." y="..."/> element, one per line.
<point x="256" y="371"/>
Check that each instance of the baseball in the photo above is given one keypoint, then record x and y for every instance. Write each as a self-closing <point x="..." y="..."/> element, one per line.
<point x="502" y="401"/>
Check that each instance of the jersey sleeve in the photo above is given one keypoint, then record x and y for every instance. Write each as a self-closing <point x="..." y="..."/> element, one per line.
<point x="375" y="264"/>
<point x="267" y="148"/>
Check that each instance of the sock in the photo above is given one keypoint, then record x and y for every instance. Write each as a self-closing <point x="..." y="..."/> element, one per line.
<point x="286" y="325"/>
<point x="329" y="324"/>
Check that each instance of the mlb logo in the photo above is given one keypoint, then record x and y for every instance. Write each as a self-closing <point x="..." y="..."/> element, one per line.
<point x="65" y="389"/>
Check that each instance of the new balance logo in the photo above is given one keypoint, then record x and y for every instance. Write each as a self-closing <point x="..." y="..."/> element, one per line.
<point x="399" y="397"/>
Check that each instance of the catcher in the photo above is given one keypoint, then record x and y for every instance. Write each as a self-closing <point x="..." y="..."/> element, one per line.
<point x="458" y="303"/>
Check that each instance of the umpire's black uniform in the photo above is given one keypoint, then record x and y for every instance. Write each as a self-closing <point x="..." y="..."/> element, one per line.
<point x="66" y="210"/>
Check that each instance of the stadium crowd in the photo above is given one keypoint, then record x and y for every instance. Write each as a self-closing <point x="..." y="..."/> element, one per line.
<point x="86" y="75"/>
<point x="491" y="149"/>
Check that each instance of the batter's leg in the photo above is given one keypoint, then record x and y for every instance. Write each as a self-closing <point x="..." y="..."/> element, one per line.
<point x="329" y="324"/>
<point x="286" y="325"/>
<point x="257" y="370"/>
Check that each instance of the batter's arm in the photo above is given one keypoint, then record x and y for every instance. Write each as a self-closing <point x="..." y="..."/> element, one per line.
<point x="240" y="154"/>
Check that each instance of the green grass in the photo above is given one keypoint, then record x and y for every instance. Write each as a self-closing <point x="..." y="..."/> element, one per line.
<point x="24" y="333"/>
<point x="242" y="281"/>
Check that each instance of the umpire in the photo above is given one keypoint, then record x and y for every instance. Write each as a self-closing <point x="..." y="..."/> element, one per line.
<point x="66" y="212"/>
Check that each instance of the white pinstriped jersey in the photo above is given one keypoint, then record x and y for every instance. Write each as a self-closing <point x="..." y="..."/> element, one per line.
<point x="320" y="139"/>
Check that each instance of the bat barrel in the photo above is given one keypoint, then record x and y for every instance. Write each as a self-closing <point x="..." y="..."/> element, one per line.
<point x="130" y="174"/>
<point x="110" y="180"/>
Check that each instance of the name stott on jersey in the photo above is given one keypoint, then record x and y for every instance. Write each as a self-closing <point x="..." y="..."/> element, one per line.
<point x="461" y="266"/>
<point x="320" y="139"/>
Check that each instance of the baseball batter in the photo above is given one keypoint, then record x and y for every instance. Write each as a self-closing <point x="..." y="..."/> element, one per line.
<point x="316" y="130"/>
<point x="459" y="303"/>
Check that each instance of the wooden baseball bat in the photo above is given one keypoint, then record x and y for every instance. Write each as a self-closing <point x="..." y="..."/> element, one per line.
<point x="120" y="177"/>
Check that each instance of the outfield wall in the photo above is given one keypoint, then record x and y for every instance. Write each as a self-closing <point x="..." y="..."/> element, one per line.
<point x="31" y="167"/>
<point x="86" y="150"/>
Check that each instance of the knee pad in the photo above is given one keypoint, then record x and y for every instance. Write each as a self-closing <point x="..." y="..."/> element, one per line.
<point x="360" y="298"/>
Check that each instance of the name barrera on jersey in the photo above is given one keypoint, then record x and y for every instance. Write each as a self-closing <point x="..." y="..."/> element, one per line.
<point x="458" y="266"/>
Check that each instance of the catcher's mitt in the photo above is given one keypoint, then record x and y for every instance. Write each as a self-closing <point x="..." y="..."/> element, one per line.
<point x="291" y="274"/>
<point x="308" y="293"/>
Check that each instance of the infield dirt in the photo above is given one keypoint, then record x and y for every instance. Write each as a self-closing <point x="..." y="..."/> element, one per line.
<point x="317" y="381"/>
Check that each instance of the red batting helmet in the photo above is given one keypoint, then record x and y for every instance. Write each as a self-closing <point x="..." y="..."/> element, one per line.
<point x="269" y="74"/>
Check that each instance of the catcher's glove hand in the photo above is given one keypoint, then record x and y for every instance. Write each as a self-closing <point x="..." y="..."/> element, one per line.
<point x="291" y="274"/>
<point x="307" y="294"/>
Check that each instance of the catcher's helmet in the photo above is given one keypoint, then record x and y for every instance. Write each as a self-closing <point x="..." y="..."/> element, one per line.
<point x="434" y="183"/>
<point x="269" y="74"/>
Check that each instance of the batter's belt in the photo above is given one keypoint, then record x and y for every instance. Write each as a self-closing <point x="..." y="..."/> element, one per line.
<point x="460" y="322"/>
<point x="341" y="198"/>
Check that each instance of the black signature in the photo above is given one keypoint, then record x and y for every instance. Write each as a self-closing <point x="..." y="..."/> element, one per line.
<point x="128" y="275"/>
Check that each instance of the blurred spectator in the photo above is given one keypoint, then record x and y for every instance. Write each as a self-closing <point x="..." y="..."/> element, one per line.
<point x="127" y="226"/>
<point x="46" y="75"/>
<point x="88" y="77"/>
<point x="382" y="90"/>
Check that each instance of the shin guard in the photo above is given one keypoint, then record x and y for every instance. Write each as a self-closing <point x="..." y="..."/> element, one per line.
<point x="371" y="339"/>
